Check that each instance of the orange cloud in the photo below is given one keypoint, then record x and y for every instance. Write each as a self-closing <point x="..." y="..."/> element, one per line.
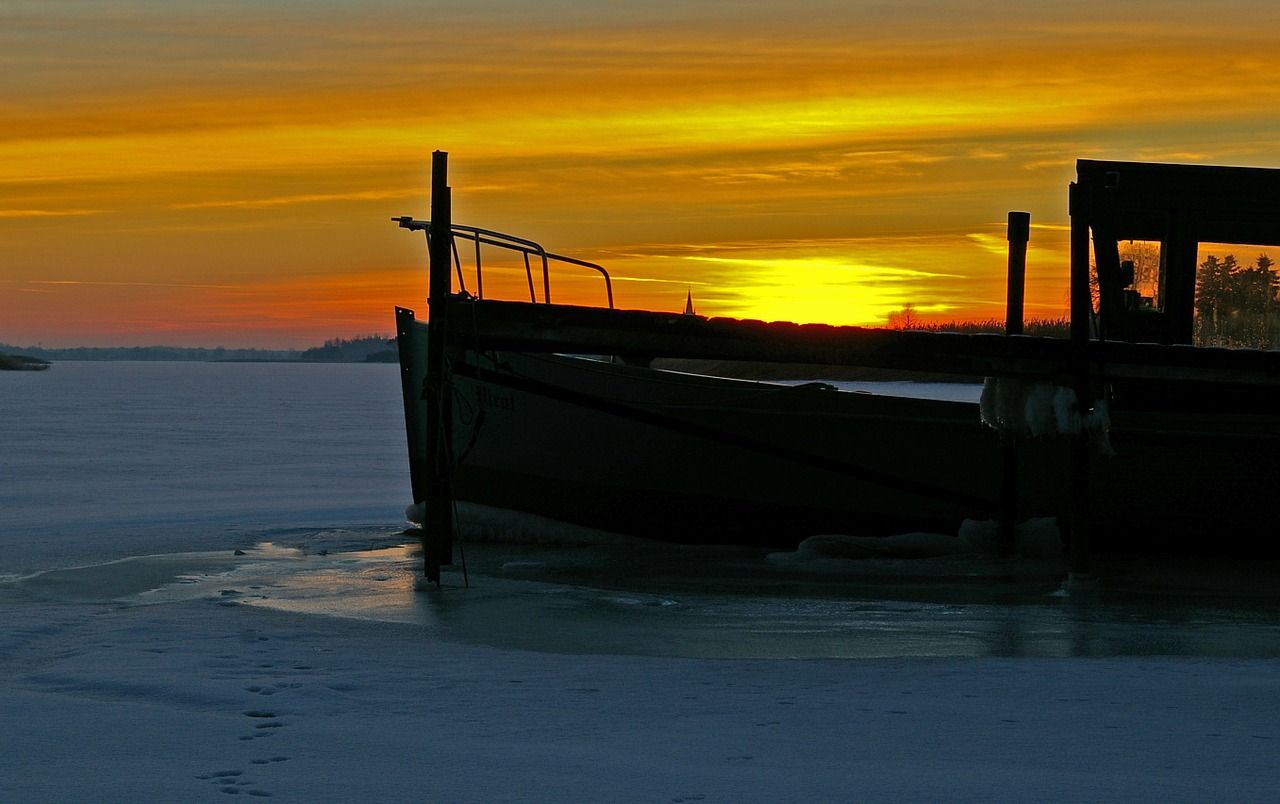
<point x="829" y="163"/>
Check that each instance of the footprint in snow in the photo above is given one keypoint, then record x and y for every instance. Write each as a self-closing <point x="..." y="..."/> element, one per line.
<point x="232" y="784"/>
<point x="268" y="719"/>
<point x="269" y="760"/>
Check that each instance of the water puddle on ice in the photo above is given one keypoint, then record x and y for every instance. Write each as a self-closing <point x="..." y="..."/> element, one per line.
<point x="650" y="599"/>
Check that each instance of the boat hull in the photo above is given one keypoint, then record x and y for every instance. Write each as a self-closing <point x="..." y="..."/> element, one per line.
<point x="695" y="459"/>
<point x="746" y="465"/>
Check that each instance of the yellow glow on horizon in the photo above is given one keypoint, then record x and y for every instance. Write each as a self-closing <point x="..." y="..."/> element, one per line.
<point x="816" y="289"/>
<point x="858" y="281"/>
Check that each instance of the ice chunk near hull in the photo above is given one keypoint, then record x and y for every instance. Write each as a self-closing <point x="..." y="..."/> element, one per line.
<point x="1041" y="410"/>
<point x="1035" y="539"/>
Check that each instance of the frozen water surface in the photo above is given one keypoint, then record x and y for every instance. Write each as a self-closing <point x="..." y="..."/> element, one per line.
<point x="205" y="591"/>
<point x="137" y="482"/>
<point x="646" y="599"/>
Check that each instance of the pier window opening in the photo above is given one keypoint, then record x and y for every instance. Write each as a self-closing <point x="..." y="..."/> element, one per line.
<point x="1142" y="270"/>
<point x="1130" y="298"/>
<point x="1236" y="297"/>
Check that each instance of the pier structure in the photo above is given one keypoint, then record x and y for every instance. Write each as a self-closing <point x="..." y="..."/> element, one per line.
<point x="1113" y="342"/>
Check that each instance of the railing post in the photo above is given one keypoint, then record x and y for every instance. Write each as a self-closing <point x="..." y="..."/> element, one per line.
<point x="437" y="531"/>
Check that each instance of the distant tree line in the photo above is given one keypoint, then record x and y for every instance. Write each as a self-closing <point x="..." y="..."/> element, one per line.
<point x="150" y="353"/>
<point x="370" y="349"/>
<point x="908" y="318"/>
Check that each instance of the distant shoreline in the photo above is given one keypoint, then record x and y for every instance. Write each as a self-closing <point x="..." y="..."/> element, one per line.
<point x="22" y="363"/>
<point x="370" y="349"/>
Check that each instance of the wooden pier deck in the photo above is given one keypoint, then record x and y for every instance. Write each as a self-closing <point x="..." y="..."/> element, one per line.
<point x="639" y="335"/>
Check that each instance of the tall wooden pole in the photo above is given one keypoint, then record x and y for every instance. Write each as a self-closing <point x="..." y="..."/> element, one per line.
<point x="1081" y="316"/>
<point x="1019" y="231"/>
<point x="437" y="533"/>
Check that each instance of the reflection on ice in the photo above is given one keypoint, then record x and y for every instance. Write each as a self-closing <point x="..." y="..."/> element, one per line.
<point x="631" y="597"/>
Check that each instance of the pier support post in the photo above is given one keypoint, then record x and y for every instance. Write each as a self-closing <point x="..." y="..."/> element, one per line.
<point x="1079" y="550"/>
<point x="1019" y="230"/>
<point x="1082" y="313"/>
<point x="437" y="530"/>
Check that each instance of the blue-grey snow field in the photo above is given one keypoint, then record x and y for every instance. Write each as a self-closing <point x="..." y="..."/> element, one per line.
<point x="204" y="592"/>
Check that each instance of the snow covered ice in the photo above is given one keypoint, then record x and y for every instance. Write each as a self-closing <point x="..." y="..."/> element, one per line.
<point x="144" y="660"/>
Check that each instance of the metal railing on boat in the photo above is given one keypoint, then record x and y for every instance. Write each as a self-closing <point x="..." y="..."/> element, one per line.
<point x="526" y="248"/>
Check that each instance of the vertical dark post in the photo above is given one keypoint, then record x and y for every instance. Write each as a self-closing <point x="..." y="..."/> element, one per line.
<point x="437" y="535"/>
<point x="1081" y="316"/>
<point x="1019" y="232"/>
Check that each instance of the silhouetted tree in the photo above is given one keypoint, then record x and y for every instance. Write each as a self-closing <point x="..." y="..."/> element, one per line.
<point x="906" y="318"/>
<point x="1235" y="305"/>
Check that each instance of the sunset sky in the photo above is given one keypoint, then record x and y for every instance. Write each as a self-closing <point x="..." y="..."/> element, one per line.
<point x="224" y="173"/>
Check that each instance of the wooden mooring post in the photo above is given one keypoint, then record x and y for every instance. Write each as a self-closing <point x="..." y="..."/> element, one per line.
<point x="1019" y="232"/>
<point x="437" y="523"/>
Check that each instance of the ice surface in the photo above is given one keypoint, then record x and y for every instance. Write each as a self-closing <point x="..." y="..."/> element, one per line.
<point x="207" y="593"/>
<point x="950" y="391"/>
<point x="103" y="460"/>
